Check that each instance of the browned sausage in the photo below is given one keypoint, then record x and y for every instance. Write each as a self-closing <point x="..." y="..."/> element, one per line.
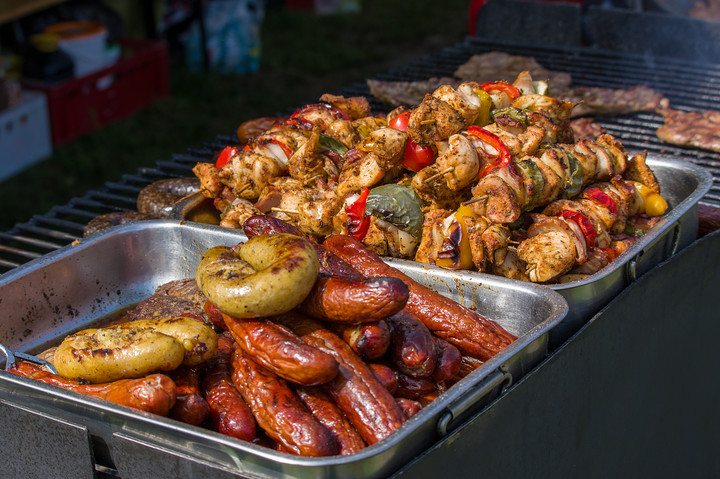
<point x="214" y="315"/>
<point x="279" y="411"/>
<point x="386" y="375"/>
<point x="355" y="300"/>
<point x="410" y="407"/>
<point x="190" y="406"/>
<point x="369" y="340"/>
<point x="155" y="393"/>
<point x="229" y="413"/>
<point x="357" y="392"/>
<point x="326" y="411"/>
<point x="330" y="265"/>
<point x="471" y="332"/>
<point x="412" y="345"/>
<point x="278" y="349"/>
<point x="413" y="388"/>
<point x="448" y="363"/>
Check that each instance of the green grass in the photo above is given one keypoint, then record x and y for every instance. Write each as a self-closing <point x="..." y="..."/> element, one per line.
<point x="303" y="56"/>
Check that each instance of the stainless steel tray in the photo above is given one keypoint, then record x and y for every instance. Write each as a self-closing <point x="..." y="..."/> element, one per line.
<point x="682" y="184"/>
<point x="75" y="286"/>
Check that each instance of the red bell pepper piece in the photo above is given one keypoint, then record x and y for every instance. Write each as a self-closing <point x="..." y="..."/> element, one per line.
<point x="502" y="86"/>
<point x="586" y="226"/>
<point x="599" y="196"/>
<point x="358" y="222"/>
<point x="224" y="156"/>
<point x="500" y="158"/>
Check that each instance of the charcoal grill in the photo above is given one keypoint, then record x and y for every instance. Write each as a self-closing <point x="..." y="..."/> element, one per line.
<point x="628" y="394"/>
<point x="689" y="86"/>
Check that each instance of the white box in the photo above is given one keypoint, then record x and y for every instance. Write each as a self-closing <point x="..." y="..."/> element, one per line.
<point x="24" y="134"/>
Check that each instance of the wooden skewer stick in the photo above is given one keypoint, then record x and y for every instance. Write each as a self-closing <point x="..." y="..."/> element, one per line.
<point x="310" y="180"/>
<point x="438" y="175"/>
<point x="429" y="121"/>
<point x="475" y="200"/>
<point x="287" y="212"/>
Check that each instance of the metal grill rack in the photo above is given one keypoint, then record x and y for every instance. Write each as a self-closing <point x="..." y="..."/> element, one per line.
<point x="689" y="86"/>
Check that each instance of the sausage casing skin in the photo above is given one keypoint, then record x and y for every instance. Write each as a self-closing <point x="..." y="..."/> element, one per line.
<point x="281" y="351"/>
<point x="190" y="406"/>
<point x="469" y="331"/>
<point x="357" y="392"/>
<point x="229" y="413"/>
<point x="369" y="340"/>
<point x="412" y="346"/>
<point x="269" y="274"/>
<point x="330" y="416"/>
<point x="134" y="349"/>
<point x="155" y="393"/>
<point x="330" y="265"/>
<point x="355" y="300"/>
<point x="279" y="411"/>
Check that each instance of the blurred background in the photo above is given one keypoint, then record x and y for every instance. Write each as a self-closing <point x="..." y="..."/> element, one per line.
<point x="161" y="95"/>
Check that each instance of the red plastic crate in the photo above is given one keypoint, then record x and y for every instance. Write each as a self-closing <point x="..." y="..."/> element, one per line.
<point x="82" y="105"/>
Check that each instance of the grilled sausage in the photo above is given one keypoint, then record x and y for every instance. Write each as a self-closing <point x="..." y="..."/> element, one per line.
<point x="469" y="331"/>
<point x="386" y="375"/>
<point x="279" y="411"/>
<point x="412" y="345"/>
<point x="134" y="349"/>
<point x="357" y="392"/>
<point x="155" y="393"/>
<point x="281" y="351"/>
<point x="229" y="413"/>
<point x="190" y="406"/>
<point x="413" y="388"/>
<point x="269" y="274"/>
<point x="369" y="340"/>
<point x="448" y="363"/>
<point x="409" y="407"/>
<point x="327" y="412"/>
<point x="355" y="300"/>
<point x="330" y="264"/>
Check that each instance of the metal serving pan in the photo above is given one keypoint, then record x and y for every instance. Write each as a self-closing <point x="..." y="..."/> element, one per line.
<point x="75" y="286"/>
<point x="682" y="184"/>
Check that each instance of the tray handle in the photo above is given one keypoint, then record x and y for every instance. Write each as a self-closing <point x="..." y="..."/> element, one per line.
<point x="471" y="398"/>
<point x="631" y="266"/>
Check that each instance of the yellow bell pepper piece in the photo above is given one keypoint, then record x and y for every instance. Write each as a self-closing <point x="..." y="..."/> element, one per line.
<point x="464" y="259"/>
<point x="653" y="203"/>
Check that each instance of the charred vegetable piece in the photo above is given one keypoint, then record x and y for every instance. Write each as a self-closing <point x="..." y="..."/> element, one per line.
<point x="398" y="205"/>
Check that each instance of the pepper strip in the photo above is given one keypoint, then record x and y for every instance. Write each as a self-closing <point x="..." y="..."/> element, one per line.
<point x="500" y="159"/>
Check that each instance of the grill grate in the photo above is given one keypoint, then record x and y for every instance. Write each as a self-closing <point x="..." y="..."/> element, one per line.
<point x="689" y="86"/>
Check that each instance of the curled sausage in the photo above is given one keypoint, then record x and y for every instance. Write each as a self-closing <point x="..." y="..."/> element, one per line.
<point x="412" y="346"/>
<point x="449" y="361"/>
<point x="469" y="331"/>
<point x="278" y="349"/>
<point x="134" y="349"/>
<point x="357" y="392"/>
<point x="190" y="406"/>
<point x="269" y="274"/>
<point x="369" y="340"/>
<point x="155" y="393"/>
<point x="355" y="300"/>
<point x="279" y="411"/>
<point x="229" y="413"/>
<point x="330" y="264"/>
<point x="327" y="412"/>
